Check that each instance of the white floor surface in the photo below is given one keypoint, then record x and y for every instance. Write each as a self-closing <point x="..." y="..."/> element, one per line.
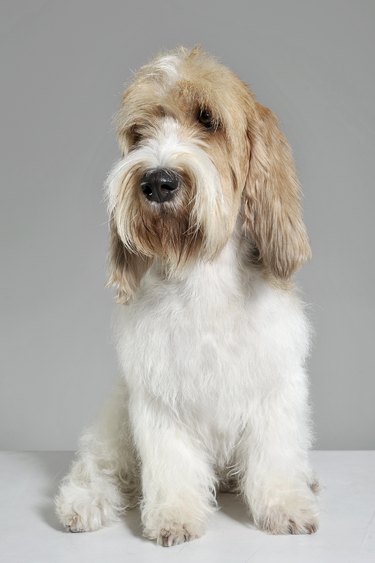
<point x="30" y="533"/>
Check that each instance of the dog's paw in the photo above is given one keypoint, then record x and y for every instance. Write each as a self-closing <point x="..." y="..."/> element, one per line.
<point x="295" y="515"/>
<point x="169" y="534"/>
<point x="83" y="519"/>
<point x="83" y="511"/>
<point x="174" y="535"/>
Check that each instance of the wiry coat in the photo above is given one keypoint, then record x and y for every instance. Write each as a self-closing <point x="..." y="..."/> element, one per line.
<point x="210" y="333"/>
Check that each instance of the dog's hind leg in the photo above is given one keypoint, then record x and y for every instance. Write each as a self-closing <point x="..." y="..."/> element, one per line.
<point x="103" y="479"/>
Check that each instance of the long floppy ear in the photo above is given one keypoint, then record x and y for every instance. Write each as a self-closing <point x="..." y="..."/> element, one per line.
<point x="126" y="269"/>
<point x="271" y="198"/>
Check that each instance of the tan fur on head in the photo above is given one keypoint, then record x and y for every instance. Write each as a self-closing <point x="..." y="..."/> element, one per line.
<point x="240" y="165"/>
<point x="272" y="199"/>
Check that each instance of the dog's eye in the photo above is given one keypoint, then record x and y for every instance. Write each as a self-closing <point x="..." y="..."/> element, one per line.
<point x="205" y="118"/>
<point x="135" y="135"/>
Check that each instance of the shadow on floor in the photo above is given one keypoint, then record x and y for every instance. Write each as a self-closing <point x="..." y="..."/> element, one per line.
<point x="54" y="465"/>
<point x="233" y="506"/>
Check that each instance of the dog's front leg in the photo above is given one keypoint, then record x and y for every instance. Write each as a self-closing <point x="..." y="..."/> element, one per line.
<point x="177" y="480"/>
<point x="277" y="480"/>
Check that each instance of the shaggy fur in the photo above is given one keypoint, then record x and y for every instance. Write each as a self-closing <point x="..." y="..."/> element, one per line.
<point x="210" y="333"/>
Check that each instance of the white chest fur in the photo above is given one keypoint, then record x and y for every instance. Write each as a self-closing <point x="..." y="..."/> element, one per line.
<point x="220" y="336"/>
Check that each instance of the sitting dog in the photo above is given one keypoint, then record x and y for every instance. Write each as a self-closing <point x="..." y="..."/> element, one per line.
<point x="205" y="233"/>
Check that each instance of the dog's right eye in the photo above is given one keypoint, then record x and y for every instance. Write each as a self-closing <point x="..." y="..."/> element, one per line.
<point x="205" y="118"/>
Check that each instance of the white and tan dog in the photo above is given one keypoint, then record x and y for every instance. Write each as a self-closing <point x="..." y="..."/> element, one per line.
<point x="206" y="231"/>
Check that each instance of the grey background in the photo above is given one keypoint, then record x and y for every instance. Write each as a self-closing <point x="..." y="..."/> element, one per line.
<point x="63" y="65"/>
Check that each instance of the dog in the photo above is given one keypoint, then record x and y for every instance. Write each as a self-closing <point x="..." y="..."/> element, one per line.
<point x="206" y="232"/>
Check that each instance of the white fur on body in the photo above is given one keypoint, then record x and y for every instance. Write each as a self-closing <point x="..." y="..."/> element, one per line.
<point x="213" y="383"/>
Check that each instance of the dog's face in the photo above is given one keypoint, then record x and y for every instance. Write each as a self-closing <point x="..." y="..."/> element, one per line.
<point x="199" y="154"/>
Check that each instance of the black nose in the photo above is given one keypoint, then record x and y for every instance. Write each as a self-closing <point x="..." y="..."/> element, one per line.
<point x="159" y="185"/>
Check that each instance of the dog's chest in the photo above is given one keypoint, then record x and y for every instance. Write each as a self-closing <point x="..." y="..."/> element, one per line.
<point x="212" y="340"/>
<point x="198" y="340"/>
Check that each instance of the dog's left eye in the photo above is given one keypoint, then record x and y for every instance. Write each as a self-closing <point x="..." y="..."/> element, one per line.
<point x="135" y="135"/>
<point x="205" y="118"/>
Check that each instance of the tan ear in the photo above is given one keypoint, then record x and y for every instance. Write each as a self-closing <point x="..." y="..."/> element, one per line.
<point x="271" y="199"/>
<point x="126" y="268"/>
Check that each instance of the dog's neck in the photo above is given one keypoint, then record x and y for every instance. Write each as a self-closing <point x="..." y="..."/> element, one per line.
<point x="227" y="273"/>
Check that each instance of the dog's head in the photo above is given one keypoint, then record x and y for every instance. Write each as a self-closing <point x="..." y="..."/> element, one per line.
<point x="199" y="154"/>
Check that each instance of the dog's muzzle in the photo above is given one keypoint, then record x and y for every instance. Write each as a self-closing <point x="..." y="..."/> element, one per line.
<point x="159" y="185"/>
